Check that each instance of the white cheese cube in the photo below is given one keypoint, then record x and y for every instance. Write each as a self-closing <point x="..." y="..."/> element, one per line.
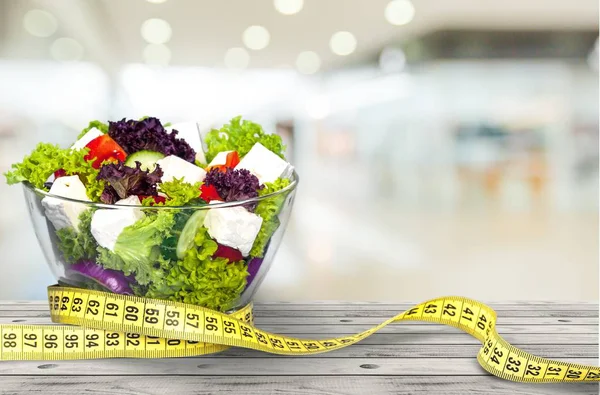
<point x="130" y="201"/>
<point x="234" y="227"/>
<point x="107" y="224"/>
<point x="190" y="132"/>
<point x="86" y="138"/>
<point x="63" y="213"/>
<point x="175" y="167"/>
<point x="264" y="164"/>
<point x="201" y="157"/>
<point x="219" y="159"/>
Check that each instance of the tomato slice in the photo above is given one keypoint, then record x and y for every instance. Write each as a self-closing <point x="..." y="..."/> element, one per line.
<point x="60" y="173"/>
<point x="209" y="192"/>
<point x="104" y="148"/>
<point x="229" y="253"/>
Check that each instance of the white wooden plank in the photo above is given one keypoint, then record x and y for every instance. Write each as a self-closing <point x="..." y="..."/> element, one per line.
<point x="451" y="337"/>
<point x="426" y="351"/>
<point x="590" y="306"/>
<point x="42" y="310"/>
<point x="355" y="303"/>
<point x="209" y="366"/>
<point x="387" y="314"/>
<point x="372" y="321"/>
<point x="412" y="302"/>
<point x="428" y="328"/>
<point x="519" y="339"/>
<point x="367" y="321"/>
<point x="399" y="328"/>
<point x="302" y="385"/>
<point x="342" y="306"/>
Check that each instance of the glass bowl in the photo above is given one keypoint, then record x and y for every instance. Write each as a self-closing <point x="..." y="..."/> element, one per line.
<point x="162" y="252"/>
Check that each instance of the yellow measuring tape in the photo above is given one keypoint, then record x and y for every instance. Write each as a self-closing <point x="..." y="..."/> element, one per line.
<point x="110" y="326"/>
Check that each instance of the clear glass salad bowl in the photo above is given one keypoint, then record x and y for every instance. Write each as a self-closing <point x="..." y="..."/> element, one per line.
<point x="166" y="258"/>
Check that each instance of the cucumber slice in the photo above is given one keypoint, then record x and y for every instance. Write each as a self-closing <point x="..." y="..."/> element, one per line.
<point x="146" y="158"/>
<point x="168" y="248"/>
<point x="186" y="239"/>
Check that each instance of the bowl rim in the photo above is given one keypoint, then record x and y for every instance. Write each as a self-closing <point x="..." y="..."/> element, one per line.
<point x="294" y="182"/>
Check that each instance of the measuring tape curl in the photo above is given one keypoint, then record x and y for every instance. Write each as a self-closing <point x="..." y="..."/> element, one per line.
<point x="108" y="325"/>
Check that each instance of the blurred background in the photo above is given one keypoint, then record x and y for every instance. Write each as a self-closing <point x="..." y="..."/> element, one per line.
<point x="444" y="147"/>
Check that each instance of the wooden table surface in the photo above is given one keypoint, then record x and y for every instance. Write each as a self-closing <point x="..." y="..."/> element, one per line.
<point x="404" y="358"/>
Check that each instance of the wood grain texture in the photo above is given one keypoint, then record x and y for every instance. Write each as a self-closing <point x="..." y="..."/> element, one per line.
<point x="328" y="331"/>
<point x="425" y="351"/>
<point x="358" y="306"/>
<point x="281" y="366"/>
<point x="284" y="385"/>
<point x="404" y="358"/>
<point x="333" y="319"/>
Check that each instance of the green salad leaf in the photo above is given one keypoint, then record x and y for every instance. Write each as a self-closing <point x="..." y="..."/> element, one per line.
<point x="46" y="158"/>
<point x="240" y="136"/>
<point x="268" y="210"/>
<point x="179" y="193"/>
<point x="101" y="126"/>
<point x="138" y="247"/>
<point x="201" y="280"/>
<point x="78" y="244"/>
<point x="43" y="161"/>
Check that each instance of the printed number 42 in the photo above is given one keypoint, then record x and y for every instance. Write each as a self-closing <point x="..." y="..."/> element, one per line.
<point x="449" y="310"/>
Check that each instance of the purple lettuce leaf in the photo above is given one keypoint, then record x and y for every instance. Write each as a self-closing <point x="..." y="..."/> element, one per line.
<point x="149" y="134"/>
<point x="124" y="181"/>
<point x="234" y="185"/>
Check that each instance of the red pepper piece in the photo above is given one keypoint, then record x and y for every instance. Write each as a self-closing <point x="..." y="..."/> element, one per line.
<point x="231" y="161"/>
<point x="232" y="254"/>
<point x="209" y="192"/>
<point x="59" y="173"/>
<point x="104" y="148"/>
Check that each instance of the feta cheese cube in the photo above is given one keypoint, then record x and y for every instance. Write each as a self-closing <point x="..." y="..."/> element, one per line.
<point x="190" y="132"/>
<point x="130" y="201"/>
<point x="86" y="138"/>
<point x="107" y="224"/>
<point x="234" y="227"/>
<point x="264" y="164"/>
<point x="175" y="167"/>
<point x="219" y="159"/>
<point x="63" y="213"/>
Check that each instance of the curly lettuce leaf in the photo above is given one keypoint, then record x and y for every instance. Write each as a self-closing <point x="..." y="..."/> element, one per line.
<point x="149" y="134"/>
<point x="201" y="280"/>
<point x="268" y="210"/>
<point x="46" y="158"/>
<point x="124" y="181"/>
<point x="179" y="193"/>
<point x="137" y="248"/>
<point x="78" y="244"/>
<point x="101" y="126"/>
<point x="109" y="259"/>
<point x="240" y="136"/>
<point x="234" y="184"/>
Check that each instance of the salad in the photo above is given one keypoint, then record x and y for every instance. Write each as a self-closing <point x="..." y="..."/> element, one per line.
<point x="166" y="227"/>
